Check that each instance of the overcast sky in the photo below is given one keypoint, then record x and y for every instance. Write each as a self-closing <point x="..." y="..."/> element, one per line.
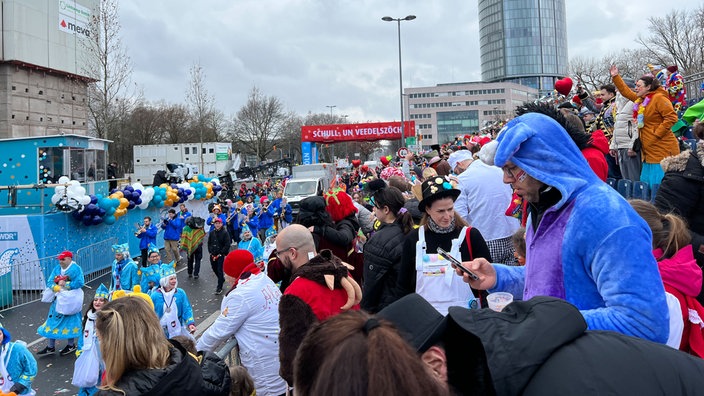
<point x="317" y="53"/>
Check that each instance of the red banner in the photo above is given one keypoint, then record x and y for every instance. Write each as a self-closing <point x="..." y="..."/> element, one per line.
<point x="351" y="132"/>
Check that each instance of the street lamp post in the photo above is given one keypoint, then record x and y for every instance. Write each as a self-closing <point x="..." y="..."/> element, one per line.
<point x="400" y="72"/>
<point x="332" y="148"/>
<point x="344" y="121"/>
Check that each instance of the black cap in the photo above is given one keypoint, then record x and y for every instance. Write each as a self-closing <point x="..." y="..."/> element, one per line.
<point x="417" y="321"/>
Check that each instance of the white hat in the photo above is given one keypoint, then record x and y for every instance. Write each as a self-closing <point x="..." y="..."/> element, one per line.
<point x="459" y="156"/>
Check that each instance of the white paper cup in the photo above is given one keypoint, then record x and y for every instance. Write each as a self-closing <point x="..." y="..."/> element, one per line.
<point x="497" y="301"/>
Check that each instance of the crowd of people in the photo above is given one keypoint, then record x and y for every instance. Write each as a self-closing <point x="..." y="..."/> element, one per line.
<point x="381" y="285"/>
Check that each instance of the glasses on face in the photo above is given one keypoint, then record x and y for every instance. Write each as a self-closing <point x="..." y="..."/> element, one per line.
<point x="279" y="252"/>
<point x="372" y="201"/>
<point x="510" y="171"/>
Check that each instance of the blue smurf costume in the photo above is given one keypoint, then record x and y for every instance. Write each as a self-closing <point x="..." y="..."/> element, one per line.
<point x="253" y="244"/>
<point x="88" y="344"/>
<point x="269" y="244"/>
<point x="17" y="365"/>
<point x="171" y="304"/>
<point x="58" y="326"/>
<point x="150" y="274"/>
<point x="585" y="244"/>
<point x="124" y="271"/>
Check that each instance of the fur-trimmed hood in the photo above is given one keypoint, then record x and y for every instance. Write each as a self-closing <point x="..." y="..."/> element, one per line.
<point x="678" y="163"/>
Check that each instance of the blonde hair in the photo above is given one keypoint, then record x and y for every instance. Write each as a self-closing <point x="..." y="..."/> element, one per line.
<point x="131" y="338"/>
<point x="670" y="232"/>
<point x="242" y="382"/>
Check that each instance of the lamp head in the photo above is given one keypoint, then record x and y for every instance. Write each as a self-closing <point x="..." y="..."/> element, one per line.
<point x="409" y="18"/>
<point x="387" y="19"/>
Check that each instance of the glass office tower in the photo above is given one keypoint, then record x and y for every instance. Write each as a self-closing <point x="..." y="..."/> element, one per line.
<point x="523" y="41"/>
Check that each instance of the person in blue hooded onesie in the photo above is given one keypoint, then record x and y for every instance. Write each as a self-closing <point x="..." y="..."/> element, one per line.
<point x="150" y="274"/>
<point x="66" y="276"/>
<point x="124" y="271"/>
<point x="585" y="243"/>
<point x="17" y="365"/>
<point x="172" y="306"/>
<point x="250" y="243"/>
<point x="88" y="343"/>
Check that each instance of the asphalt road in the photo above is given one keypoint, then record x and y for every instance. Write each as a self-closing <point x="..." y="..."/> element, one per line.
<point x="54" y="372"/>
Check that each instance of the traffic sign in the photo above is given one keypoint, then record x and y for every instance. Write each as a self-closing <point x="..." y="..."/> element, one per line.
<point x="402" y="152"/>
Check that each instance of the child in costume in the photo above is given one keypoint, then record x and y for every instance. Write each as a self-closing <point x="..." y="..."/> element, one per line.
<point x="124" y="270"/>
<point x="269" y="243"/>
<point x="150" y="274"/>
<point x="172" y="306"/>
<point x="88" y="342"/>
<point x="17" y="365"/>
<point x="64" y="277"/>
<point x="253" y="245"/>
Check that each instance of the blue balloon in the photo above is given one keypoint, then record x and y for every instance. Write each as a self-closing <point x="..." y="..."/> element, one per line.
<point x="109" y="220"/>
<point x="110" y="211"/>
<point x="101" y="212"/>
<point x="127" y="195"/>
<point x="174" y="186"/>
<point x="180" y="191"/>
<point x="76" y="215"/>
<point x="131" y="205"/>
<point x="138" y="201"/>
<point x="129" y="188"/>
<point x="87" y="220"/>
<point x="137" y="193"/>
<point x="93" y="199"/>
<point x="90" y="209"/>
<point x="113" y="191"/>
<point x="187" y="191"/>
<point x="97" y="220"/>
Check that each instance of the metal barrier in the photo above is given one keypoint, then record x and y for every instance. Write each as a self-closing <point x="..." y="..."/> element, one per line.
<point x="230" y="353"/>
<point x="24" y="286"/>
<point x="96" y="259"/>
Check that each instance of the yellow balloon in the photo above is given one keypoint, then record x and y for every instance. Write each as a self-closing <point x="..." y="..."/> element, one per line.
<point x="119" y="194"/>
<point x="124" y="203"/>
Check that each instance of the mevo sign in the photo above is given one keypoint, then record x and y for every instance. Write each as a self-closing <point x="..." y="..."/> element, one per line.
<point x="355" y="132"/>
<point x="74" y="18"/>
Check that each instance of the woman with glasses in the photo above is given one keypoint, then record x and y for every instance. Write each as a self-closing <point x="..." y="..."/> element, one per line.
<point x="383" y="250"/>
<point x="654" y="117"/>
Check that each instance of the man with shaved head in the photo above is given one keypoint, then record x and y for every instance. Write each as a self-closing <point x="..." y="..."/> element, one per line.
<point x="320" y="288"/>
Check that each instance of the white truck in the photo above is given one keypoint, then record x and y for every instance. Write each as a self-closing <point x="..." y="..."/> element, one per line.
<point x="307" y="181"/>
<point x="211" y="159"/>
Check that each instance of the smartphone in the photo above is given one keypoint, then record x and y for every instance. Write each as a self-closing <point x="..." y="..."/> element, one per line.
<point x="457" y="264"/>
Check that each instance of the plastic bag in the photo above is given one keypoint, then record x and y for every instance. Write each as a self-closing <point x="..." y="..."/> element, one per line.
<point x="69" y="302"/>
<point x="48" y="295"/>
<point x="86" y="370"/>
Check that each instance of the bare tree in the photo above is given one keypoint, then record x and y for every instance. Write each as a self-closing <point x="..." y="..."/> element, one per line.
<point x="593" y="72"/>
<point x="677" y="38"/>
<point x="258" y="125"/>
<point x="175" y="120"/>
<point x="202" y="106"/>
<point x="110" y="67"/>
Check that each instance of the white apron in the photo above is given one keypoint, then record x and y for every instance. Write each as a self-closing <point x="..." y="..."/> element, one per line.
<point x="6" y="382"/>
<point x="436" y="280"/>
<point x="170" y="321"/>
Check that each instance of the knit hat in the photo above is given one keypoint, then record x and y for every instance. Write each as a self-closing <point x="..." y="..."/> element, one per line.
<point x="435" y="188"/>
<point x="165" y="272"/>
<point x="459" y="156"/>
<point x="102" y="292"/>
<point x="245" y="228"/>
<point x="217" y="207"/>
<point x="263" y="199"/>
<point x="384" y="161"/>
<point x="123" y="249"/>
<point x="65" y="254"/>
<point x="217" y="220"/>
<point x="236" y="261"/>
<point x="672" y="69"/>
<point x="5" y="335"/>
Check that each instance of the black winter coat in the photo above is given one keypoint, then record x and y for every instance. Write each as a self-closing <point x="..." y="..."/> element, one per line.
<point x="218" y="242"/>
<point x="540" y="347"/>
<point x="182" y="376"/>
<point x="382" y="261"/>
<point x="682" y="191"/>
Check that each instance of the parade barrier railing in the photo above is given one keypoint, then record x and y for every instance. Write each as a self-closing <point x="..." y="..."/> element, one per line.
<point x="25" y="281"/>
<point x="230" y="352"/>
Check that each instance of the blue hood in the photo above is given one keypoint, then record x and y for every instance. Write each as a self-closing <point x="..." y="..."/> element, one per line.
<point x="6" y="335"/>
<point x="544" y="150"/>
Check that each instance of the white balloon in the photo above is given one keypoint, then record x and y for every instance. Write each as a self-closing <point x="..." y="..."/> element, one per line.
<point x="64" y="180"/>
<point x="55" y="198"/>
<point x="143" y="205"/>
<point x="138" y="186"/>
<point x="74" y="183"/>
<point x="81" y="190"/>
<point x="85" y="200"/>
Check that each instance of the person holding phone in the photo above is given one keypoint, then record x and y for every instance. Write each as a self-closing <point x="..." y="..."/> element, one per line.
<point x="422" y="270"/>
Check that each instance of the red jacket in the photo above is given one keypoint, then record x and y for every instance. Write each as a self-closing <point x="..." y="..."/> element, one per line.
<point x="595" y="152"/>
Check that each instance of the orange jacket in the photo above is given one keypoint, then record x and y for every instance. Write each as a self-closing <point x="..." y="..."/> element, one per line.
<point x="659" y="116"/>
